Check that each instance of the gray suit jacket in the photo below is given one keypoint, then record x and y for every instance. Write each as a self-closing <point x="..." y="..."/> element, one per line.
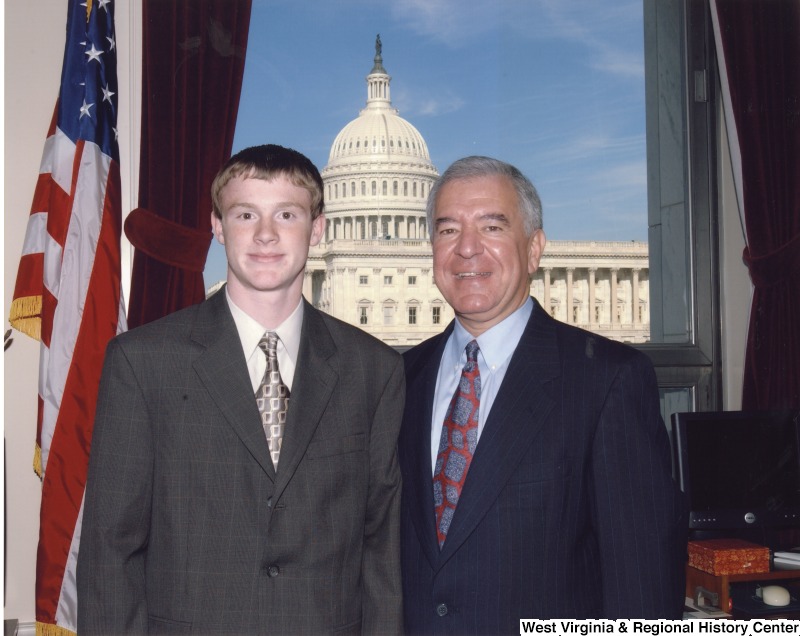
<point x="187" y="528"/>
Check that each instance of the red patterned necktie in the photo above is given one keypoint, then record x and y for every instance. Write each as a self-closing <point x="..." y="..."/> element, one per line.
<point x="457" y="444"/>
<point x="272" y="397"/>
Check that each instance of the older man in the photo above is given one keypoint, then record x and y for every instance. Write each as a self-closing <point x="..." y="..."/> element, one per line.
<point x="536" y="467"/>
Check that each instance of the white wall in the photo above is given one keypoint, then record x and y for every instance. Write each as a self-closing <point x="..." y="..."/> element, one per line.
<point x="33" y="53"/>
<point x="34" y="50"/>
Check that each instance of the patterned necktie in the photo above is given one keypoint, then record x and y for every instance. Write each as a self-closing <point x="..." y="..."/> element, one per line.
<point x="272" y="397"/>
<point x="457" y="444"/>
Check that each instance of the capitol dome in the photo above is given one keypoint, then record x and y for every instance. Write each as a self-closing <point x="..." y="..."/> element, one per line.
<point x="379" y="133"/>
<point x="379" y="172"/>
<point x="372" y="267"/>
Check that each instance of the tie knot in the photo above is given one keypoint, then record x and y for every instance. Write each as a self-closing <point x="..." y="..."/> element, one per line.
<point x="269" y="344"/>
<point x="472" y="351"/>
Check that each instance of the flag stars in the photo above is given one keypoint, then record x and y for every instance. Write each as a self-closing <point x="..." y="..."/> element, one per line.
<point x="85" y="110"/>
<point x="94" y="54"/>
<point x="107" y="94"/>
<point x="101" y="4"/>
<point x="112" y="43"/>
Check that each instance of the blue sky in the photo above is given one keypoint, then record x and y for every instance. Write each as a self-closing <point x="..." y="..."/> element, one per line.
<point x="555" y="87"/>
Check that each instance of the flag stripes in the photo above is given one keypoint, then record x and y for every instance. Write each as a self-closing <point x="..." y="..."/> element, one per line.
<point x="68" y="294"/>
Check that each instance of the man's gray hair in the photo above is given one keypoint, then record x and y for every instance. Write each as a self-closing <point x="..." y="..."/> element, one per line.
<point x="474" y="167"/>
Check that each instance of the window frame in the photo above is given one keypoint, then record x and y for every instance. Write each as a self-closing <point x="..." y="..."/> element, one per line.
<point x="683" y="159"/>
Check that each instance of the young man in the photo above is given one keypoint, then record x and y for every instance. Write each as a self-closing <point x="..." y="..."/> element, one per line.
<point x="243" y="476"/>
<point x="536" y="467"/>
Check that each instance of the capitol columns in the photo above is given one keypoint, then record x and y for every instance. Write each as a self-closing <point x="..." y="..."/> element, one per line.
<point x="570" y="318"/>
<point x="546" y="276"/>
<point x="635" y="296"/>
<point x="592" y="315"/>
<point x="614" y="301"/>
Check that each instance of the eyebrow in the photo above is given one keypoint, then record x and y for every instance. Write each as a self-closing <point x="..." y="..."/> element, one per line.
<point x="497" y="217"/>
<point x="277" y="206"/>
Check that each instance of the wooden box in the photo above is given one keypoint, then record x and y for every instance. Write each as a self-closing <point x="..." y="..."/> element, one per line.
<point x="728" y="556"/>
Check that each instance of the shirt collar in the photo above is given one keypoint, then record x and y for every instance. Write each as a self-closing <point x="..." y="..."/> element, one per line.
<point x="250" y="331"/>
<point x="498" y="343"/>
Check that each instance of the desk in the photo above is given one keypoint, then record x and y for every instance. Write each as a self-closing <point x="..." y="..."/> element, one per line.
<point x="720" y="584"/>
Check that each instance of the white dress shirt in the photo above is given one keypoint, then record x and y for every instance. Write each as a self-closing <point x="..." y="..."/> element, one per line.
<point x="250" y="332"/>
<point x="496" y="348"/>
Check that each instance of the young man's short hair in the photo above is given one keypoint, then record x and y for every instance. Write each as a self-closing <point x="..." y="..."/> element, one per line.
<point x="268" y="162"/>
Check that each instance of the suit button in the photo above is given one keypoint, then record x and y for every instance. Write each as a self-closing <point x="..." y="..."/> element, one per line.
<point x="269" y="502"/>
<point x="441" y="609"/>
<point x="273" y="571"/>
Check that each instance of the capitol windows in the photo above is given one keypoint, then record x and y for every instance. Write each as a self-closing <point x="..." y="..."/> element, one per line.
<point x="363" y="279"/>
<point x="414" y="189"/>
<point x="436" y="314"/>
<point x="388" y="313"/>
<point x="412" y="280"/>
<point x="353" y="189"/>
<point x="394" y="188"/>
<point x="384" y="188"/>
<point x="405" y="188"/>
<point x="387" y="280"/>
<point x="374" y="188"/>
<point x="412" y="315"/>
<point x="363" y="318"/>
<point x="336" y="191"/>
<point x="422" y="190"/>
<point x="363" y="188"/>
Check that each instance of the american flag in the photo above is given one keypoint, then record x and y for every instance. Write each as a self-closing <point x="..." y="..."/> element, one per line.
<point x="67" y="293"/>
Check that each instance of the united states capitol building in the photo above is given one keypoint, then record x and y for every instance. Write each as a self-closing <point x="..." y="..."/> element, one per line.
<point x="373" y="267"/>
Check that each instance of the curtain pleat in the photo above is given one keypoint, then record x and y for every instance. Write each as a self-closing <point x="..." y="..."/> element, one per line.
<point x="758" y="45"/>
<point x="192" y="68"/>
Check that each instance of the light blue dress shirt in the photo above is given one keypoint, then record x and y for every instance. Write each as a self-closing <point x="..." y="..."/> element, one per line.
<point x="496" y="347"/>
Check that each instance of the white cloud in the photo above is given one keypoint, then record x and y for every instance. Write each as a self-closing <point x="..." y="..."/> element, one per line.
<point x="596" y="26"/>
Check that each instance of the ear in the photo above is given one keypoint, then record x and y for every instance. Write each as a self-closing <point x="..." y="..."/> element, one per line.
<point x="317" y="230"/>
<point x="216" y="228"/>
<point x="536" y="245"/>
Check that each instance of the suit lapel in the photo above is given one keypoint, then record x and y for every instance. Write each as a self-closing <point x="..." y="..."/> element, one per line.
<point x="315" y="379"/>
<point x="222" y="369"/>
<point x="519" y="411"/>
<point x="422" y="383"/>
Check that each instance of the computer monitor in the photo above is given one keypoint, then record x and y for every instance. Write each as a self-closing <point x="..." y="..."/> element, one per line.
<point x="739" y="469"/>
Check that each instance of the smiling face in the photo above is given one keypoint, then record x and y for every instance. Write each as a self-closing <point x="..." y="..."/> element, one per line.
<point x="266" y="228"/>
<point x="482" y="257"/>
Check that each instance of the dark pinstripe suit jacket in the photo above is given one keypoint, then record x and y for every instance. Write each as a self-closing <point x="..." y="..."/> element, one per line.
<point x="568" y="509"/>
<point x="188" y="528"/>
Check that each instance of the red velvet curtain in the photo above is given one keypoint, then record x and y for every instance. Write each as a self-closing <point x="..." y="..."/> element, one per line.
<point x="192" y="67"/>
<point x="761" y="58"/>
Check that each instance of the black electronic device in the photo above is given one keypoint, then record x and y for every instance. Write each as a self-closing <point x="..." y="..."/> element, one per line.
<point x="739" y="469"/>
